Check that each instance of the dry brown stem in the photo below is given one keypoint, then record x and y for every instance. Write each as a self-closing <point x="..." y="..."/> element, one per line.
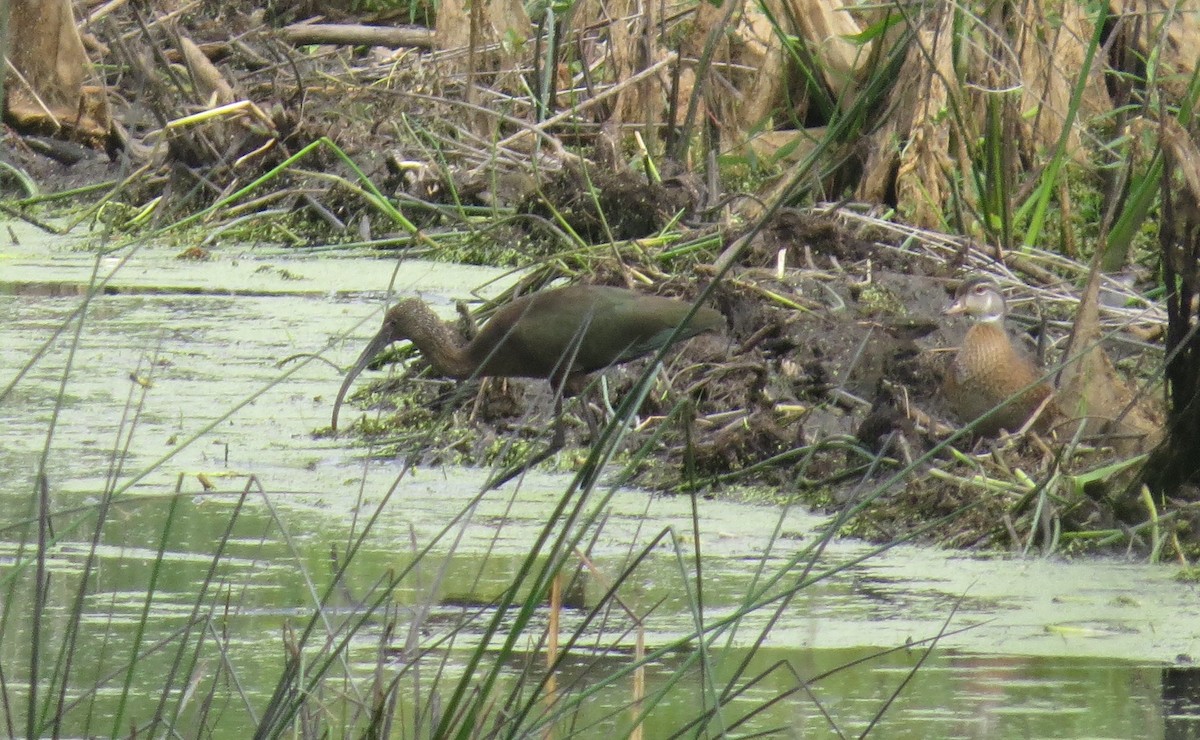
<point x="357" y="35"/>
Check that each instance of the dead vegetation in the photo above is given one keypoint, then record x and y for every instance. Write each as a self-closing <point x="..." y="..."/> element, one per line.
<point x="825" y="171"/>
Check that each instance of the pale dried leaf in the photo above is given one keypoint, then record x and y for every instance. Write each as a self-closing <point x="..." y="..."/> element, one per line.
<point x="453" y="25"/>
<point x="1091" y="392"/>
<point x="1184" y="156"/>
<point x="46" y="89"/>
<point x="634" y="44"/>
<point x="925" y="160"/>
<point x="211" y="86"/>
<point x="1052" y="41"/>
<point x="761" y="51"/>
<point x="504" y="27"/>
<point x="882" y="153"/>
<point x="1176" y="52"/>
<point x="826" y="26"/>
<point x="739" y="57"/>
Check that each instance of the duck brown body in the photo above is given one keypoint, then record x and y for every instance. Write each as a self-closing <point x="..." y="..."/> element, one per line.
<point x="988" y="370"/>
<point x="560" y="334"/>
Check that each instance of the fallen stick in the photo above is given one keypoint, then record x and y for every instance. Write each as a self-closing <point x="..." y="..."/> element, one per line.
<point x="357" y="35"/>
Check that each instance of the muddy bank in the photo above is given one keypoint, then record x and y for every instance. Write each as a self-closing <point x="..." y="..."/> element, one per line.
<point x="825" y="388"/>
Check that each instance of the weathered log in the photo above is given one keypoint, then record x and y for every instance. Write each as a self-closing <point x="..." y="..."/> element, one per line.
<point x="357" y="35"/>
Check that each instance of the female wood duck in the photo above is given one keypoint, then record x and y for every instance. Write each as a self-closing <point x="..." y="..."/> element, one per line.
<point x="988" y="370"/>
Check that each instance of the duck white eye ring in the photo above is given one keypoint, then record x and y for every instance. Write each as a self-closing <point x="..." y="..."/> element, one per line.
<point x="980" y="289"/>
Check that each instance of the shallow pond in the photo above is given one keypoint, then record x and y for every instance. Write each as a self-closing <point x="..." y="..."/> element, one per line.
<point x="174" y="383"/>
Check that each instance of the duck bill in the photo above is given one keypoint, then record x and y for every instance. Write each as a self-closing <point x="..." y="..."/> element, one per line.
<point x="955" y="308"/>
<point x="377" y="345"/>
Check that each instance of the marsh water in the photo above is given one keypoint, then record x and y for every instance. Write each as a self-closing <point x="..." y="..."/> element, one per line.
<point x="189" y="383"/>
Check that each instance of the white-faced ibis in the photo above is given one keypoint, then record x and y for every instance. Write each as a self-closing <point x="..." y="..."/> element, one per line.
<point x="988" y="370"/>
<point x="561" y="334"/>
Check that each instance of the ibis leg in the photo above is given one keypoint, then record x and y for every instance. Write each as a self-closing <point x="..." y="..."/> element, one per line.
<point x="556" y="443"/>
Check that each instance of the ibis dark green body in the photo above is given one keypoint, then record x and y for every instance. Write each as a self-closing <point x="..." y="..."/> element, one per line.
<point x="560" y="334"/>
